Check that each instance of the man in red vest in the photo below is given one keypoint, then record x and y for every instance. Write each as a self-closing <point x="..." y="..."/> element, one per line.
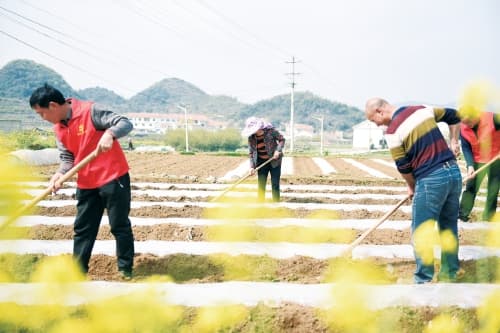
<point x="480" y="137"/>
<point x="104" y="183"/>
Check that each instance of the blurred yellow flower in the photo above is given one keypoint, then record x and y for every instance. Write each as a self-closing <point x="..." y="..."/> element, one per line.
<point x="215" y="318"/>
<point x="425" y="238"/>
<point x="475" y="99"/>
<point x="488" y="314"/>
<point x="444" y="323"/>
<point x="349" y="311"/>
<point x="142" y="311"/>
<point x="449" y="242"/>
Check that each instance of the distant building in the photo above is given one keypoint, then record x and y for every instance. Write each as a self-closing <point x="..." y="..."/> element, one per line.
<point x="300" y="130"/>
<point x="367" y="135"/>
<point x="161" y="123"/>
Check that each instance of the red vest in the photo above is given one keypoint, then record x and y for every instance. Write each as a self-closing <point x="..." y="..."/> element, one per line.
<point x="486" y="144"/>
<point x="80" y="137"/>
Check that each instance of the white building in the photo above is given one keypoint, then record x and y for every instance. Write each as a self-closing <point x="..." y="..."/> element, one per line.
<point x="367" y="134"/>
<point x="163" y="122"/>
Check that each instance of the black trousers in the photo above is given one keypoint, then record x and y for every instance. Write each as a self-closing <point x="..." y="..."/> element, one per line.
<point x="115" y="198"/>
<point x="262" y="180"/>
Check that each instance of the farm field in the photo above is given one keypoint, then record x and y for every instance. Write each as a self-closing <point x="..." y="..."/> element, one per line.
<point x="282" y="262"/>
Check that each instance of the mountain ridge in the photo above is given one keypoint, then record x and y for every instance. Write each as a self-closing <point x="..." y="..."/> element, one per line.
<point x="20" y="77"/>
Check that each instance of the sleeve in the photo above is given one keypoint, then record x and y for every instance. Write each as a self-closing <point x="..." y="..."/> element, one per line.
<point x="280" y="139"/>
<point x="467" y="151"/>
<point x="447" y="115"/>
<point x="398" y="153"/>
<point x="251" y="149"/>
<point x="66" y="157"/>
<point x="496" y="121"/>
<point x="118" y="124"/>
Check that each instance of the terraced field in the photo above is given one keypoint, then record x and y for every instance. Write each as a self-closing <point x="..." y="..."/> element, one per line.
<point x="282" y="262"/>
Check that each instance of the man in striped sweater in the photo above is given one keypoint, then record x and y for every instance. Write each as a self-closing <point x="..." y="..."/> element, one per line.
<point x="429" y="168"/>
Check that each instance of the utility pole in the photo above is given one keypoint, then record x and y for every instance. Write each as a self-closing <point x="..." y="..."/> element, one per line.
<point x="292" y="84"/>
<point x="184" y="108"/>
<point x="321" y="135"/>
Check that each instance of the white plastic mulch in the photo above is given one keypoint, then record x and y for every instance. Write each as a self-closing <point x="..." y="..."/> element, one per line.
<point x="279" y="250"/>
<point x="252" y="293"/>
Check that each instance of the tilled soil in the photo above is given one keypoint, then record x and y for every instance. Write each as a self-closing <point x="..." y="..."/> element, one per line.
<point x="225" y="213"/>
<point x="182" y="268"/>
<point x="250" y="198"/>
<point x="175" y="232"/>
<point x="195" y="268"/>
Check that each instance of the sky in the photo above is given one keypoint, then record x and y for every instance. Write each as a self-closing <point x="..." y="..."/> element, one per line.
<point x="424" y="51"/>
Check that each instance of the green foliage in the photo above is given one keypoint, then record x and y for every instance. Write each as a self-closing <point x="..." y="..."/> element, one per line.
<point x="203" y="140"/>
<point x="30" y="139"/>
<point x="337" y="116"/>
<point x="105" y="98"/>
<point x="19" y="78"/>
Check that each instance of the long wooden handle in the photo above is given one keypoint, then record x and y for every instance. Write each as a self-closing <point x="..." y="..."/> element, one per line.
<point x="241" y="180"/>
<point x="348" y="250"/>
<point x="466" y="179"/>
<point x="48" y="190"/>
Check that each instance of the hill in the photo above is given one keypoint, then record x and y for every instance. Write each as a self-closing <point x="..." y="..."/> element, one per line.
<point x="19" y="78"/>
<point x="337" y="116"/>
<point x="165" y="95"/>
<point x="103" y="96"/>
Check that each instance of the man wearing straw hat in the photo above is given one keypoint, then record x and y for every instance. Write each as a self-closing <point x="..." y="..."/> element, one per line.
<point x="430" y="169"/>
<point x="264" y="143"/>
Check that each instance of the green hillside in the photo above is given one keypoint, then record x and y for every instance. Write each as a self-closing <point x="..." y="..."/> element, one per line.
<point x="337" y="116"/>
<point x="104" y="97"/>
<point x="19" y="78"/>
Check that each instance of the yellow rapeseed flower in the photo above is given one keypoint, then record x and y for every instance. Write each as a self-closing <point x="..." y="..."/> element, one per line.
<point x="487" y="314"/>
<point x="475" y="99"/>
<point x="444" y="323"/>
<point x="425" y="238"/>
<point x="215" y="318"/>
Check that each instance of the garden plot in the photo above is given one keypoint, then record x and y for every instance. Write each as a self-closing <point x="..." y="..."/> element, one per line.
<point x="289" y="250"/>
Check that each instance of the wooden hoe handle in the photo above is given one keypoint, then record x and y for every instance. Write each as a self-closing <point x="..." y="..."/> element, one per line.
<point x="48" y="190"/>
<point x="240" y="180"/>
<point x="348" y="250"/>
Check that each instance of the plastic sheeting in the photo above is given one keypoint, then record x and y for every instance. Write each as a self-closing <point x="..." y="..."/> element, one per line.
<point x="37" y="157"/>
<point x="29" y="221"/>
<point x="279" y="250"/>
<point x="252" y="293"/>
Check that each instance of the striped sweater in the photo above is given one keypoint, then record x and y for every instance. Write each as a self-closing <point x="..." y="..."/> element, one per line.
<point x="415" y="141"/>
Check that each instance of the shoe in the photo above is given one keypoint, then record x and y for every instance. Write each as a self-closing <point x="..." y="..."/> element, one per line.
<point x="125" y="274"/>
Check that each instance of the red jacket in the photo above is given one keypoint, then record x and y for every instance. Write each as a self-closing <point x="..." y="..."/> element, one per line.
<point x="486" y="144"/>
<point x="80" y="137"/>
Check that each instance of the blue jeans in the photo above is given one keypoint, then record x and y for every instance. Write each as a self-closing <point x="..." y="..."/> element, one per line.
<point x="437" y="198"/>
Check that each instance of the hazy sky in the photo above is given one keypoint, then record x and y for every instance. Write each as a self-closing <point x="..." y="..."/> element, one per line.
<point x="347" y="51"/>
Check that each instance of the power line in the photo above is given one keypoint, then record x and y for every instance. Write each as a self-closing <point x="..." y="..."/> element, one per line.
<point x="229" y="32"/>
<point x="57" y="58"/>
<point x="57" y="39"/>
<point x="270" y="46"/>
<point x="92" y="46"/>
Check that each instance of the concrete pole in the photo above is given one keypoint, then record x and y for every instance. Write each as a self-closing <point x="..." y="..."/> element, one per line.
<point x="291" y="122"/>
<point x="321" y="134"/>
<point x="184" y="108"/>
